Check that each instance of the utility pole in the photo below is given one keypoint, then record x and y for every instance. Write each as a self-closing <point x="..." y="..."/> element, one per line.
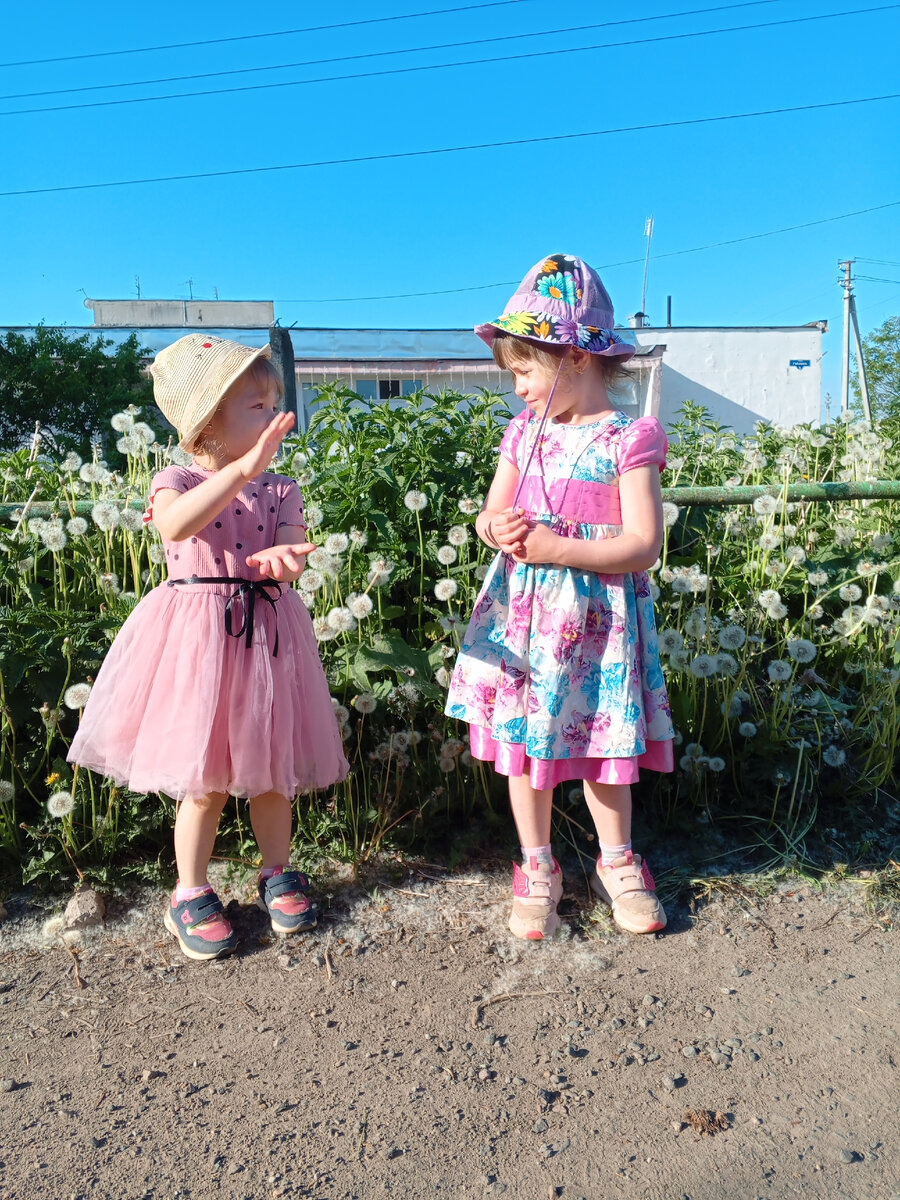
<point x="851" y="323"/>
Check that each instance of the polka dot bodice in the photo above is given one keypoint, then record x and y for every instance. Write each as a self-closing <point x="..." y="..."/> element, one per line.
<point x="248" y="524"/>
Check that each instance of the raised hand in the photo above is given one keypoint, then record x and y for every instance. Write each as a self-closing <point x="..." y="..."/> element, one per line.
<point x="264" y="451"/>
<point x="283" y="563"/>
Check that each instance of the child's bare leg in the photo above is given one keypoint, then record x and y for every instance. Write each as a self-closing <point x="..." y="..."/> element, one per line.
<point x="282" y="892"/>
<point x="610" y="807"/>
<point x="531" y="810"/>
<point x="537" y="884"/>
<point x="270" y="816"/>
<point x="621" y="880"/>
<point x="196" y="823"/>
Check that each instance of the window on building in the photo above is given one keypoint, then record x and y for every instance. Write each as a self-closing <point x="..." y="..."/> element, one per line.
<point x="367" y="389"/>
<point x="388" y="389"/>
<point x="408" y="386"/>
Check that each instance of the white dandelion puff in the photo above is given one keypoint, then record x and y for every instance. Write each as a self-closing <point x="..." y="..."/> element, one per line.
<point x="60" y="804"/>
<point x="764" y="506"/>
<point x="801" y="650"/>
<point x="77" y="695"/>
<point x="446" y="555"/>
<point x="817" y="578"/>
<point x="359" y="605"/>
<point x="131" y="520"/>
<point x="670" y="640"/>
<point x="457" y="535"/>
<point x="850" y="592"/>
<point x="122" y="422"/>
<point x="415" y="501"/>
<point x="671" y="513"/>
<point x="379" y="571"/>
<point x="336" y="543"/>
<point x="358" y="537"/>
<point x="341" y="619"/>
<point x="770" y="540"/>
<point x="109" y="583"/>
<point x="696" y="623"/>
<point x="731" y="637"/>
<point x="310" y="581"/>
<point x="77" y="526"/>
<point x="7" y="791"/>
<point x="106" y="516"/>
<point x="446" y="589"/>
<point x="703" y="666"/>
<point x="442" y="675"/>
<point x="834" y="756"/>
<point x="716" y="764"/>
<point x="467" y="507"/>
<point x="747" y="729"/>
<point x="54" y="536"/>
<point x="779" y="671"/>
<point x="726" y="664"/>
<point x="323" y="631"/>
<point x="314" y="516"/>
<point x="365" y="703"/>
<point x="795" y="555"/>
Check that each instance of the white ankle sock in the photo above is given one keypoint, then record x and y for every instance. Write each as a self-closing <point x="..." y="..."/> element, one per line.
<point x="544" y="854"/>
<point x="609" y="854"/>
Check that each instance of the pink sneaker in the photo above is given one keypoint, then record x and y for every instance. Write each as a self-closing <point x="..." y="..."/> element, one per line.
<point x="202" y="929"/>
<point x="627" y="886"/>
<point x="284" y="897"/>
<point x="537" y="889"/>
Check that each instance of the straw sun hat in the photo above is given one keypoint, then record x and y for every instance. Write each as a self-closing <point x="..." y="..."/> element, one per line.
<point x="191" y="376"/>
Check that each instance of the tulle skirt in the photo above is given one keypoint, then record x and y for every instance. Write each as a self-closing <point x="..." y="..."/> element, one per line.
<point x="182" y="708"/>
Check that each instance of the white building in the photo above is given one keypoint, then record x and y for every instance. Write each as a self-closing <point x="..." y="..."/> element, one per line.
<point x="741" y="375"/>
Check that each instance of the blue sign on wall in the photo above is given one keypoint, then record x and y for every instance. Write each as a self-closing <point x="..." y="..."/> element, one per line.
<point x="800" y="363"/>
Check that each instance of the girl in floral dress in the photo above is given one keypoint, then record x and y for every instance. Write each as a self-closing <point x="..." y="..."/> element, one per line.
<point x="559" y="674"/>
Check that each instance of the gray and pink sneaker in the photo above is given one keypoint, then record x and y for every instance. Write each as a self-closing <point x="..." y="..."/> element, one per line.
<point x="284" y="896"/>
<point x="200" y="924"/>
<point x="537" y="889"/>
<point x="627" y="886"/>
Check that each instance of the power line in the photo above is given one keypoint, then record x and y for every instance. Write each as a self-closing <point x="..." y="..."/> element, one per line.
<point x="315" y="62"/>
<point x="257" y="87"/>
<point x="248" y="37"/>
<point x="403" y="154"/>
<point x="629" y="262"/>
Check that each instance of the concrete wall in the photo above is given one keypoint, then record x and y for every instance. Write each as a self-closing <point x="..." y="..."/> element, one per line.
<point x="741" y="375"/>
<point x="228" y="314"/>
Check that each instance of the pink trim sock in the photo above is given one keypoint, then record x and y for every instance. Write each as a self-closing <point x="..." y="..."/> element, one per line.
<point x="609" y="854"/>
<point x="543" y="854"/>
<point x="268" y="872"/>
<point x="186" y="893"/>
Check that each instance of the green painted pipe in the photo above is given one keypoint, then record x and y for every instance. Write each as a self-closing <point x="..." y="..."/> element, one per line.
<point x="684" y="497"/>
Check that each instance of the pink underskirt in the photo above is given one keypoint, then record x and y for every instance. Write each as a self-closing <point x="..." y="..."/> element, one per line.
<point x="509" y="758"/>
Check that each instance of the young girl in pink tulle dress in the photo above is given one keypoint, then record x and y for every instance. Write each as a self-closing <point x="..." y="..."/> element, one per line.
<point x="214" y="687"/>
<point x="559" y="674"/>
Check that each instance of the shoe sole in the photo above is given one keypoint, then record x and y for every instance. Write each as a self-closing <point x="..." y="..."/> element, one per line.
<point x="600" y="892"/>
<point x="285" y="931"/>
<point x="519" y="929"/>
<point x="197" y="955"/>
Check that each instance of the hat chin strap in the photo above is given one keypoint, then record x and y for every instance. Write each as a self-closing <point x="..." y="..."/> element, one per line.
<point x="540" y="430"/>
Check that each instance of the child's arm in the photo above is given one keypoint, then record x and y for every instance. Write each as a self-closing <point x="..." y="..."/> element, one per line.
<point x="285" y="560"/>
<point x="179" y="515"/>
<point x="636" y="549"/>
<point x="499" y="525"/>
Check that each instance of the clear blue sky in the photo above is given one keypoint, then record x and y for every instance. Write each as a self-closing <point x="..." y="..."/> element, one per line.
<point x="317" y="240"/>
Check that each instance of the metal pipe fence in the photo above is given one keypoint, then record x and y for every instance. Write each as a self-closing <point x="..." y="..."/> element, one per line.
<point x="684" y="497"/>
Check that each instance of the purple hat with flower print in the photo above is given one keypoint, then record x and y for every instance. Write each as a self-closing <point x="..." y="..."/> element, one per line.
<point x="561" y="302"/>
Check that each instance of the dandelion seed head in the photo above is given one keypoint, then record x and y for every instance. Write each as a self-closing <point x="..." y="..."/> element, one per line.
<point x="7" y="791"/>
<point x="321" y="628"/>
<point x="336" y="543"/>
<point x="671" y="513"/>
<point x="446" y="555"/>
<point x="60" y="804"/>
<point x="358" y="537"/>
<point x="341" y="619"/>
<point x="77" y="695"/>
<point x="365" y="703"/>
<point x="467" y="506"/>
<point x="442" y="675"/>
<point x="801" y="650"/>
<point x="779" y="671"/>
<point x="446" y="589"/>
<point x="764" y="506"/>
<point x="817" y="578"/>
<point x="747" y="729"/>
<point x="311" y="580"/>
<point x="359" y="605"/>
<point x="731" y="637"/>
<point x="670" y="640"/>
<point x="703" y="666"/>
<point x="834" y="756"/>
<point x="122" y="422"/>
<point x="314" y="516"/>
<point x="106" y="516"/>
<point x="415" y="501"/>
<point x="716" y="764"/>
<point x="726" y="664"/>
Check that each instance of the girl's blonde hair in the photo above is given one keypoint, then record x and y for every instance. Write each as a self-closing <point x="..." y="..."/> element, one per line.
<point x="510" y="351"/>
<point x="264" y="375"/>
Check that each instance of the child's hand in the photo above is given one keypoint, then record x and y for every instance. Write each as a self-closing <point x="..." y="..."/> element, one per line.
<point x="281" y="562"/>
<point x="264" y="451"/>
<point x="540" y="545"/>
<point x="509" y="529"/>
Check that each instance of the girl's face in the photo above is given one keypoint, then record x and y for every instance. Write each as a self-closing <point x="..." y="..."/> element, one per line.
<point x="533" y="384"/>
<point x="245" y="411"/>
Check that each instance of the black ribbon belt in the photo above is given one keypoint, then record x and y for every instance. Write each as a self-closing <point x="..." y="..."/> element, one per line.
<point x="246" y="592"/>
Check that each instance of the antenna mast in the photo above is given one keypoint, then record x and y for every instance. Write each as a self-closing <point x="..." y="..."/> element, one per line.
<point x="648" y="234"/>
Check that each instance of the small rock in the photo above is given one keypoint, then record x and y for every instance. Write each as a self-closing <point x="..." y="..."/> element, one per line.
<point x="739" y="971"/>
<point x="84" y="909"/>
<point x="540" y="1126"/>
<point x="669" y="1084"/>
<point x="753" y="1056"/>
<point x="677" y="1126"/>
<point x="7" y="1085"/>
<point x="690" y="1051"/>
<point x="648" y="1000"/>
<point x="285" y="961"/>
<point x="848" y="1156"/>
<point x="149" y="1074"/>
<point x="394" y="1152"/>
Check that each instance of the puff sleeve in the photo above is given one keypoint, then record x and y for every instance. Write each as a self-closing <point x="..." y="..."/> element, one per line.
<point x="643" y="443"/>
<point x="290" y="504"/>
<point x="512" y="438"/>
<point x="177" y="478"/>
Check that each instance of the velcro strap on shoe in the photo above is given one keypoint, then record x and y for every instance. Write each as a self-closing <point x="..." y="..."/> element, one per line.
<point x="287" y="881"/>
<point x="201" y="908"/>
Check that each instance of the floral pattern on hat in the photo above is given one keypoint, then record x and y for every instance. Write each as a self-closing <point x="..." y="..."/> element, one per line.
<point x="561" y="301"/>
<point x="560" y="331"/>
